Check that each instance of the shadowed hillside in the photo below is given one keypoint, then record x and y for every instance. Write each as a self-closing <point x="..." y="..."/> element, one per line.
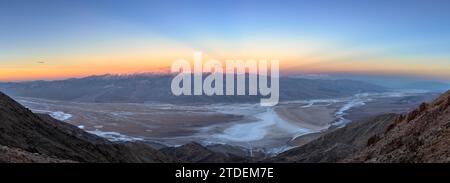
<point x="423" y="135"/>
<point x="41" y="134"/>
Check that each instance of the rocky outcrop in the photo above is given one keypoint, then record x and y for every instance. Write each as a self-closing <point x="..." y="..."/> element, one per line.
<point x="423" y="135"/>
<point x="196" y="153"/>
<point x="14" y="155"/>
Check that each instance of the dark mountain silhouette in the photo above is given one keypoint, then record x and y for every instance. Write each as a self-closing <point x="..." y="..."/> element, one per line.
<point x="156" y="88"/>
<point x="41" y="134"/>
<point x="196" y="153"/>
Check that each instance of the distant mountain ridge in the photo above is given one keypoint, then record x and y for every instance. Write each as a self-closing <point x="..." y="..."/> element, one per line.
<point x="141" y="88"/>
<point x="398" y="82"/>
<point x="429" y="85"/>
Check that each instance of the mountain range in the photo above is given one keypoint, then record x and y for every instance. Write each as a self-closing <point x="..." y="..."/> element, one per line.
<point x="142" y="88"/>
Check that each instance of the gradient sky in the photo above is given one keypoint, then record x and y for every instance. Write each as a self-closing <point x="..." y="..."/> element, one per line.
<point x="43" y="39"/>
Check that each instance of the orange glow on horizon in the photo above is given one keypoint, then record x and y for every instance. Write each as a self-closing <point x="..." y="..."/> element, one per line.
<point x="296" y="59"/>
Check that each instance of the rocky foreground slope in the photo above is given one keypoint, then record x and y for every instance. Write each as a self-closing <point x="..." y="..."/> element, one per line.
<point x="14" y="155"/>
<point x="44" y="136"/>
<point x="423" y="135"/>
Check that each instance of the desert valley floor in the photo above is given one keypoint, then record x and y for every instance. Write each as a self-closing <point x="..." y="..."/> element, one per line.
<point x="250" y="126"/>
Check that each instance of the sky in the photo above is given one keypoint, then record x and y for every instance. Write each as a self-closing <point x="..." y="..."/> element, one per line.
<point x="56" y="39"/>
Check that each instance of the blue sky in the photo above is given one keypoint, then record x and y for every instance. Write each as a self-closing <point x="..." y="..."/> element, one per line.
<point x="312" y="36"/>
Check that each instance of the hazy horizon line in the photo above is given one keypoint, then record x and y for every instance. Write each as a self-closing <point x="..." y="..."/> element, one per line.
<point x="338" y="75"/>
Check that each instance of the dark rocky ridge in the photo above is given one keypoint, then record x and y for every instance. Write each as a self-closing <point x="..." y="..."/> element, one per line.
<point x="423" y="135"/>
<point x="22" y="129"/>
<point x="14" y="155"/>
<point x="196" y="153"/>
